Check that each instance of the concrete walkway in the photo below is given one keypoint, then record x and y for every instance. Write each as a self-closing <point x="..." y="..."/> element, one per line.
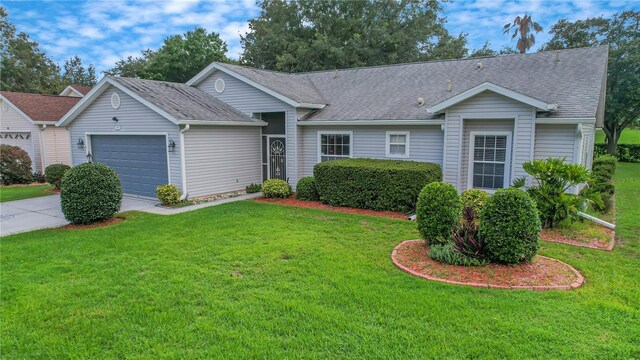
<point x="45" y="212"/>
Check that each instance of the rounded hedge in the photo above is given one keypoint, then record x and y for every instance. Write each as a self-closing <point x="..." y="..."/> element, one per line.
<point x="90" y="192"/>
<point x="54" y="173"/>
<point x="438" y="212"/>
<point x="474" y="199"/>
<point x="168" y="194"/>
<point x="510" y="227"/>
<point x="276" y="188"/>
<point x="15" y="165"/>
<point x="306" y="189"/>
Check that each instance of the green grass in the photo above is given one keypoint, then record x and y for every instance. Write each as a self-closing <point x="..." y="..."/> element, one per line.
<point x="253" y="280"/>
<point x="628" y="136"/>
<point x="20" y="192"/>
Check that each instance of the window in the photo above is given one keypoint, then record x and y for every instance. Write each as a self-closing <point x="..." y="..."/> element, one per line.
<point x="398" y="144"/>
<point x="490" y="161"/>
<point x="334" y="146"/>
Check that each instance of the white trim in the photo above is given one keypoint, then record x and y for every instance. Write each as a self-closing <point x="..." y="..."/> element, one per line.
<point x="99" y="89"/>
<point x="183" y="162"/>
<point x="565" y="121"/>
<point x="222" y="123"/>
<point x="577" y="145"/>
<point x="407" y="144"/>
<point x="369" y="122"/>
<point x="487" y="86"/>
<point x="88" y="135"/>
<point x="507" y="161"/>
<point x="337" y="132"/>
<point x="69" y="87"/>
<point x="18" y="110"/>
<point x="215" y="66"/>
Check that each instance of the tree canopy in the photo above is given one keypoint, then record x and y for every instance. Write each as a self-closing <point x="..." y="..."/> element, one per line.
<point x="76" y="73"/>
<point x="622" y="34"/>
<point x="310" y="35"/>
<point x="178" y="59"/>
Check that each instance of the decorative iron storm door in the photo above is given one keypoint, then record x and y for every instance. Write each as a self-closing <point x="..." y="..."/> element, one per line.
<point x="277" y="158"/>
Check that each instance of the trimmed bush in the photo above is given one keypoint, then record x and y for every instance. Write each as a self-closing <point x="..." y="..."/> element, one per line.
<point x="54" y="173"/>
<point x="603" y="169"/>
<point x="90" y="192"/>
<point x="168" y="194"/>
<point x="253" y="188"/>
<point x="510" y="227"/>
<point x="446" y="253"/>
<point x="15" y="165"/>
<point x="438" y="212"/>
<point x="624" y="152"/>
<point x="38" y="177"/>
<point x="306" y="189"/>
<point x="276" y="188"/>
<point x="474" y="199"/>
<point x="374" y="184"/>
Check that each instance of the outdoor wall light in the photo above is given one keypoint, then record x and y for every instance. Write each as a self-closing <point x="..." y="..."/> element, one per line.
<point x="89" y="157"/>
<point x="172" y="145"/>
<point x="114" y="119"/>
<point x="80" y="143"/>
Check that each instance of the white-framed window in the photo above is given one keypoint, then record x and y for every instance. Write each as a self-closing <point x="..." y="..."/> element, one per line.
<point x="489" y="160"/>
<point x="398" y="144"/>
<point x="333" y="145"/>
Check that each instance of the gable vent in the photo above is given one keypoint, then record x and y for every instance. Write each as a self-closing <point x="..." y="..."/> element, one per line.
<point x="115" y="101"/>
<point x="220" y="85"/>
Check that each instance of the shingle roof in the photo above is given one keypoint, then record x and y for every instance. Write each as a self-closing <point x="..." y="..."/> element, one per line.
<point x="41" y="107"/>
<point x="573" y="79"/>
<point x="183" y="102"/>
<point x="84" y="90"/>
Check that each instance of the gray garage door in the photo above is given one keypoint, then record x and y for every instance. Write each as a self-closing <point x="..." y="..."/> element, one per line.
<point x="139" y="160"/>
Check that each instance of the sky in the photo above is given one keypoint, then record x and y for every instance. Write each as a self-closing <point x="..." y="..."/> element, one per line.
<point x="101" y="32"/>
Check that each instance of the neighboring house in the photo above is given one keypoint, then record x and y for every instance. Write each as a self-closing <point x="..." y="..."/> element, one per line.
<point x="480" y="118"/>
<point x="76" y="90"/>
<point x="28" y="121"/>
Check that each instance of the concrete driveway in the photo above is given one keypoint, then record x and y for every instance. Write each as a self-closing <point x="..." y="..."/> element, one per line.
<point x="45" y="212"/>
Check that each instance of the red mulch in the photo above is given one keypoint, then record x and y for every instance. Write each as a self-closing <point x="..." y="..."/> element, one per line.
<point x="556" y="236"/>
<point x="542" y="273"/>
<point x="99" y="224"/>
<point x="54" y="191"/>
<point x="292" y="201"/>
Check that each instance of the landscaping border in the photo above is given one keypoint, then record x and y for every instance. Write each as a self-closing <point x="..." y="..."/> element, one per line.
<point x="576" y="284"/>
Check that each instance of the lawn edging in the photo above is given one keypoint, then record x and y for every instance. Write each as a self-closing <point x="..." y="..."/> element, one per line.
<point x="574" y="285"/>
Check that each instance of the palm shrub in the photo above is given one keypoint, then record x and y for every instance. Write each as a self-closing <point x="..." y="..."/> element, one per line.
<point x="510" y="227"/>
<point x="465" y="239"/>
<point x="276" y="188"/>
<point x="90" y="192"/>
<point x="54" y="173"/>
<point x="437" y="212"/>
<point x="306" y="189"/>
<point x="15" y="165"/>
<point x="553" y="178"/>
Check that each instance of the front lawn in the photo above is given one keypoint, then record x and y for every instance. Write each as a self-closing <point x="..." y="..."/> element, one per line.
<point x="254" y="280"/>
<point x="628" y="136"/>
<point x="20" y="192"/>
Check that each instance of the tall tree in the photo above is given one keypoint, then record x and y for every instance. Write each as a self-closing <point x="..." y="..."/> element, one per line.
<point x="622" y="34"/>
<point x="76" y="73"/>
<point x="24" y="67"/>
<point x="304" y="35"/>
<point x="525" y="27"/>
<point x="486" y="50"/>
<point x="178" y="59"/>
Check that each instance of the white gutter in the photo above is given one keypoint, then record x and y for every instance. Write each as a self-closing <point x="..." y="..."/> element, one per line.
<point x="182" y="162"/>
<point x="565" y="121"/>
<point x="369" y="122"/>
<point x="222" y="123"/>
<point x="596" y="220"/>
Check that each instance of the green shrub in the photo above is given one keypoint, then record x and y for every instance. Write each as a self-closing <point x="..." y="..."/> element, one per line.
<point x="54" y="173"/>
<point x="168" y="194"/>
<point x="438" y="212"/>
<point x="15" y="165"/>
<point x="624" y="152"/>
<point x="276" y="188"/>
<point x="90" y="192"/>
<point x="445" y="253"/>
<point x="510" y="227"/>
<point x="306" y="189"/>
<point x="474" y="199"/>
<point x="253" y="188"/>
<point x="374" y="184"/>
<point x="603" y="169"/>
<point x="38" y="177"/>
<point x="605" y="164"/>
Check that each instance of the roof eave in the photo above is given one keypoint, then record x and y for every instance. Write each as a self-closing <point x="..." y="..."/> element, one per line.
<point x="222" y="122"/>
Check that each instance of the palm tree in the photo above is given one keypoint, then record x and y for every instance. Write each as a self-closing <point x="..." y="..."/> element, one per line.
<point x="525" y="26"/>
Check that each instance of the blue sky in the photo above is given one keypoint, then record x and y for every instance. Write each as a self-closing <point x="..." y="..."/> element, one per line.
<point x="101" y="32"/>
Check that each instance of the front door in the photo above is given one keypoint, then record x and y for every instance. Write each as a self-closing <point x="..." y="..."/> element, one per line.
<point x="277" y="159"/>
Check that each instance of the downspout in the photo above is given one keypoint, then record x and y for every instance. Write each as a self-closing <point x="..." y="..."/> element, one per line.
<point x="41" y="136"/>
<point x="182" y="162"/>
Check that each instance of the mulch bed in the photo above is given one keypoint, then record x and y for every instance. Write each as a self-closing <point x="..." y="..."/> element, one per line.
<point x="99" y="224"/>
<point x="53" y="191"/>
<point x="543" y="273"/>
<point x="292" y="201"/>
<point x="553" y="235"/>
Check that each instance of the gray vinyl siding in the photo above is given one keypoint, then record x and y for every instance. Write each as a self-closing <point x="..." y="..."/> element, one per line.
<point x="133" y="117"/>
<point x="486" y="107"/>
<point x="426" y="143"/>
<point x="221" y="159"/>
<point x="249" y="100"/>
<point x="555" y="141"/>
<point x="480" y="125"/>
